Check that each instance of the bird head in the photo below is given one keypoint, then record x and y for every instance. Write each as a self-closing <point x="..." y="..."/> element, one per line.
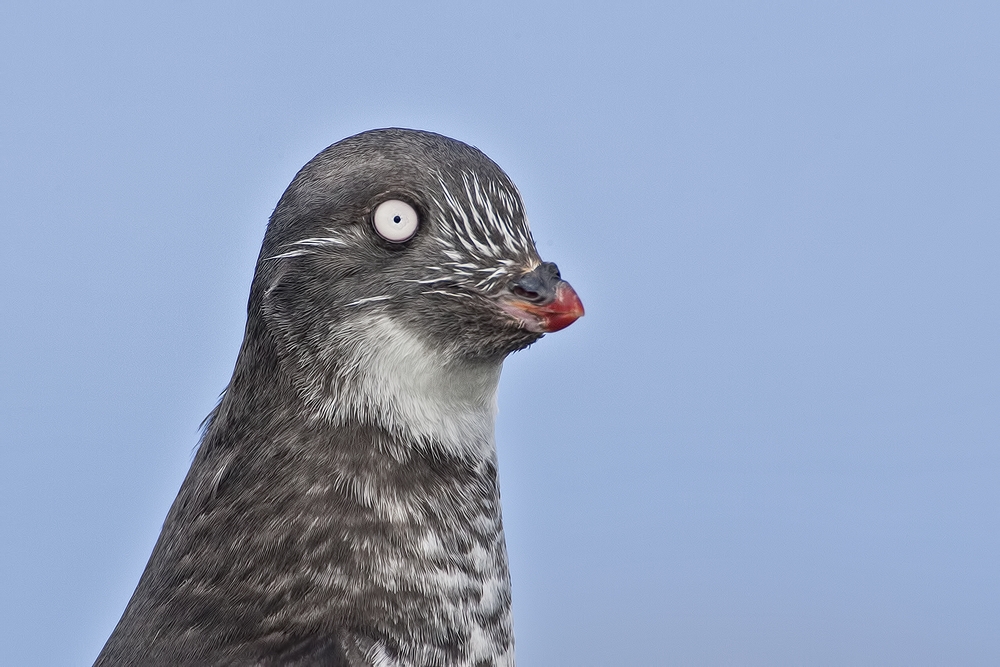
<point x="398" y="243"/>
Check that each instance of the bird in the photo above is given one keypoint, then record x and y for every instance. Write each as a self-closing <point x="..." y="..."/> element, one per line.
<point x="342" y="507"/>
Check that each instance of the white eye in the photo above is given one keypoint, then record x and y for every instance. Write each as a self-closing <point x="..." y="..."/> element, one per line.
<point x="395" y="220"/>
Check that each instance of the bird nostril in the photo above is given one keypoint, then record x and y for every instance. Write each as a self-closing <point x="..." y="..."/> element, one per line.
<point x="525" y="294"/>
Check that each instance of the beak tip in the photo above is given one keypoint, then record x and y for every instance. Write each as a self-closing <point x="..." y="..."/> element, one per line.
<point x="564" y="310"/>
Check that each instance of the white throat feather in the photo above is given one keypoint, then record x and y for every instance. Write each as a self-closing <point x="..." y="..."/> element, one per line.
<point x="394" y="380"/>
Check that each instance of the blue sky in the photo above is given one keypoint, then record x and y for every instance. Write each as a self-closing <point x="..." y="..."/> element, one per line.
<point x="773" y="440"/>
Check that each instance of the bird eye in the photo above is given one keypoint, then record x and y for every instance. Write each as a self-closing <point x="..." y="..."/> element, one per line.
<point x="395" y="220"/>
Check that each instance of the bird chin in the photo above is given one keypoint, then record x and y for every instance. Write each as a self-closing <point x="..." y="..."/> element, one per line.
<point x="527" y="320"/>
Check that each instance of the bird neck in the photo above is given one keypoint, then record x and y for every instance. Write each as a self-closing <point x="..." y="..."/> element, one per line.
<point x="355" y="509"/>
<point x="376" y="371"/>
<point x="414" y="390"/>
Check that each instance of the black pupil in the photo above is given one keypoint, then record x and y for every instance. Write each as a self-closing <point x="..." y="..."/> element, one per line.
<point x="397" y="219"/>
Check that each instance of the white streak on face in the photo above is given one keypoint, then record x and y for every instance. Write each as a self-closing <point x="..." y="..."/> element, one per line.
<point x="430" y="281"/>
<point x="480" y="205"/>
<point x="289" y="254"/>
<point x="400" y="383"/>
<point x="321" y="241"/>
<point x="307" y="244"/>
<point x="476" y="205"/>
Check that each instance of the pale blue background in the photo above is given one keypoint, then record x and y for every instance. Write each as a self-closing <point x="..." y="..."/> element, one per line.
<point x="773" y="440"/>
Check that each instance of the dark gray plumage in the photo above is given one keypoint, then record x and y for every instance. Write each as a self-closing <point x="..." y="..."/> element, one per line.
<point x="343" y="507"/>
